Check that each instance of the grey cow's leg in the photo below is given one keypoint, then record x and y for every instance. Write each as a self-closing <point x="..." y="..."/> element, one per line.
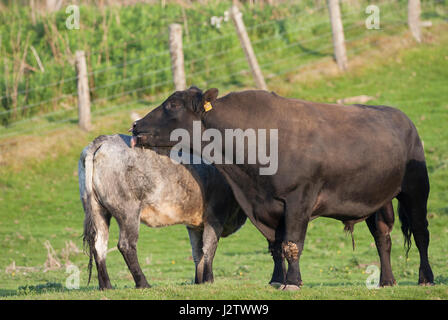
<point x="101" y="220"/>
<point x="210" y="240"/>
<point x="195" y="235"/>
<point x="127" y="244"/>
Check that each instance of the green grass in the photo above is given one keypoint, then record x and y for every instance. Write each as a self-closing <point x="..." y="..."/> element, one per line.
<point x="39" y="201"/>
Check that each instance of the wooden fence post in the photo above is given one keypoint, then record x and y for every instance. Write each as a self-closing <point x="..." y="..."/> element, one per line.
<point x="53" y="5"/>
<point x="338" y="34"/>
<point x="33" y="12"/>
<point x="247" y="47"/>
<point x="177" y="57"/>
<point x="83" y="91"/>
<point x="414" y="19"/>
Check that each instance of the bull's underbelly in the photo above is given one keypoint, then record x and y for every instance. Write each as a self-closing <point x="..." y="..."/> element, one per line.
<point x="359" y="206"/>
<point x="168" y="215"/>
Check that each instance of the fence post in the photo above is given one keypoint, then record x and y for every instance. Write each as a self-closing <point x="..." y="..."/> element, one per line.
<point x="414" y="19"/>
<point x="83" y="91"/>
<point x="247" y="47"/>
<point x="53" y="5"/>
<point x="177" y="57"/>
<point x="338" y="34"/>
<point x="33" y="12"/>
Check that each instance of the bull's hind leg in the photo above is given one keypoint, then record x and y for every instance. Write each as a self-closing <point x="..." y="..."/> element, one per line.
<point x="127" y="244"/>
<point x="380" y="225"/>
<point x="412" y="211"/>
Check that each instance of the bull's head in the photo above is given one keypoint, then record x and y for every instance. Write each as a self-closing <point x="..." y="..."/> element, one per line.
<point x="178" y="111"/>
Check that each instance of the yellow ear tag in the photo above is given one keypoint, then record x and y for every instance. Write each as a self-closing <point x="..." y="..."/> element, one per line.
<point x="208" y="106"/>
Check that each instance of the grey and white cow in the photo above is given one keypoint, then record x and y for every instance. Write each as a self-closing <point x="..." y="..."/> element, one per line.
<point x="144" y="185"/>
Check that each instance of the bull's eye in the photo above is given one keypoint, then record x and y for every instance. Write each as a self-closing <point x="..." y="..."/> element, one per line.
<point x="173" y="106"/>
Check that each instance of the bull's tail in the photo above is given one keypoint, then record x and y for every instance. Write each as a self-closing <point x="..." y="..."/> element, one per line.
<point x="405" y="219"/>
<point x="93" y="216"/>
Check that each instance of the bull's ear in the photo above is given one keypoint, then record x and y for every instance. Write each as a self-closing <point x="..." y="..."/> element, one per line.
<point x="210" y="95"/>
<point x="195" y="89"/>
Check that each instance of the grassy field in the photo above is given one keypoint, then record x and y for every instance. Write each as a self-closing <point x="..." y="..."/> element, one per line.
<point x="40" y="206"/>
<point x="128" y="55"/>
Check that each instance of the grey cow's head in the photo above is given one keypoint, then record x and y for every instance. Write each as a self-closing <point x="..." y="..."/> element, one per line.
<point x="178" y="111"/>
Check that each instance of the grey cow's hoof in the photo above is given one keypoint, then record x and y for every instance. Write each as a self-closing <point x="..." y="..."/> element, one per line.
<point x="289" y="287"/>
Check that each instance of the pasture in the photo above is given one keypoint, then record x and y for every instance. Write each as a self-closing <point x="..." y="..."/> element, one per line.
<point x="41" y="216"/>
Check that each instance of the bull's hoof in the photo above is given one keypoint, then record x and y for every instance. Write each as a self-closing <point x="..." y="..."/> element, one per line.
<point x="105" y="288"/>
<point x="388" y="283"/>
<point x="426" y="284"/>
<point x="289" y="287"/>
<point x="276" y="285"/>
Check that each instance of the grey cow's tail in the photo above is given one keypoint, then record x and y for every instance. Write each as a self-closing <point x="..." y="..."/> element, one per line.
<point x="88" y="199"/>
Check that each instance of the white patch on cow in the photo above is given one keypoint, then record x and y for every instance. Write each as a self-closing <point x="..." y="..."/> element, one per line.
<point x="101" y="244"/>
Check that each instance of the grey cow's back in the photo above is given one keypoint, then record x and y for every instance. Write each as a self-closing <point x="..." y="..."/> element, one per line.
<point x="129" y="179"/>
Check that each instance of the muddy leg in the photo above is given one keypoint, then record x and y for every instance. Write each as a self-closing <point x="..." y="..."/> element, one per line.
<point x="297" y="211"/>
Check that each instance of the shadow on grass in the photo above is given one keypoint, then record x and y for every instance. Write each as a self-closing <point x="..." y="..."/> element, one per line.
<point x="48" y="287"/>
<point x="314" y="52"/>
<point x="431" y="15"/>
<point x="252" y="253"/>
<point x="442" y="210"/>
<point x="333" y="284"/>
<point x="441" y="280"/>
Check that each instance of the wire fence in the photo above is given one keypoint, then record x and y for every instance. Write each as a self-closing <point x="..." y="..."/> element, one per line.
<point x="279" y="51"/>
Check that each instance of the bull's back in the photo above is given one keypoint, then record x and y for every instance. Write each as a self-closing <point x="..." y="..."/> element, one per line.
<point x="366" y="152"/>
<point x="356" y="154"/>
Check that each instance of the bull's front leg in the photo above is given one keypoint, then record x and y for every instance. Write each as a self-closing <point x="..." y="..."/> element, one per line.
<point x="278" y="275"/>
<point x="297" y="216"/>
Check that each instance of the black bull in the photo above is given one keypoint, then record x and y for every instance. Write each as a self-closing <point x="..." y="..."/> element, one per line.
<point x="341" y="162"/>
